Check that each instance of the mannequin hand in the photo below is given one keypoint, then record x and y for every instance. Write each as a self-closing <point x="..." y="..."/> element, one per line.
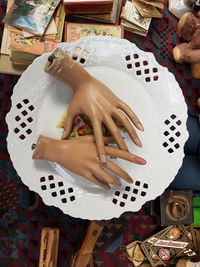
<point x="96" y="101"/>
<point x="80" y="156"/>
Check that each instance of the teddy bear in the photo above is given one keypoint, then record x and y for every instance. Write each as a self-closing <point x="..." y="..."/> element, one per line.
<point x="188" y="51"/>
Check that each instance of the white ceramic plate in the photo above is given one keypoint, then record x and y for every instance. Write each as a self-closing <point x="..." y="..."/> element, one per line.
<point x="39" y="100"/>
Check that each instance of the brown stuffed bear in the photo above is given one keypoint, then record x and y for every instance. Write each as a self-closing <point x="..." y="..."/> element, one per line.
<point x="189" y="51"/>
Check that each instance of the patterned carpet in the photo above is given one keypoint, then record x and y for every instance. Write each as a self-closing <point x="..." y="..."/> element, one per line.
<point x="21" y="223"/>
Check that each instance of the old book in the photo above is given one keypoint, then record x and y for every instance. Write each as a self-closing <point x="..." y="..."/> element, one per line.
<point x="132" y="28"/>
<point x="51" y="29"/>
<point x="6" y="66"/>
<point x="35" y="45"/>
<point x="32" y="16"/>
<point x="132" y="20"/>
<point x="5" y="41"/>
<point x="146" y="10"/>
<point x="6" y="35"/>
<point x="87" y="6"/>
<point x="59" y="19"/>
<point x="25" y="50"/>
<point x="156" y="3"/>
<point x="55" y="28"/>
<point x="21" y="58"/>
<point x="74" y="31"/>
<point x="131" y="14"/>
<point x="15" y="61"/>
<point x="112" y="17"/>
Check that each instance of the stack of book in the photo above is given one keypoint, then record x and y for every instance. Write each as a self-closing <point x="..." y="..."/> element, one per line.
<point x="111" y="17"/>
<point x="30" y="30"/>
<point x="90" y="17"/>
<point x="33" y="27"/>
<point x="136" y="15"/>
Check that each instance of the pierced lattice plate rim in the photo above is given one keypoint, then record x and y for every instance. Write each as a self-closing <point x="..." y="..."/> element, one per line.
<point x="53" y="188"/>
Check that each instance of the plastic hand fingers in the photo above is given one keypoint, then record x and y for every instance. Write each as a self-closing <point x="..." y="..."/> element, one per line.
<point x="96" y="181"/>
<point x="124" y="155"/>
<point x="91" y="138"/>
<point x="116" y="134"/>
<point x="106" y="177"/>
<point x="68" y="124"/>
<point x="131" y="115"/>
<point x="129" y="128"/>
<point x="109" y="140"/>
<point x="120" y="172"/>
<point x="99" y="141"/>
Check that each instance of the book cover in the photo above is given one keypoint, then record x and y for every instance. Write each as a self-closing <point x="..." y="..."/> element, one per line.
<point x="59" y="19"/>
<point x="87" y="6"/>
<point x="31" y="15"/>
<point x="112" y="17"/>
<point x="74" y="31"/>
<point x="35" y="45"/>
<point x="52" y="32"/>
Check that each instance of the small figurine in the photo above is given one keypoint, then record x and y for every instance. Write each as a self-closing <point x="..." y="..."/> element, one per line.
<point x="189" y="51"/>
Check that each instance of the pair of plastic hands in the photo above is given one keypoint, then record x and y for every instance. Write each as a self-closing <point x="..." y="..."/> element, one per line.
<point x="86" y="155"/>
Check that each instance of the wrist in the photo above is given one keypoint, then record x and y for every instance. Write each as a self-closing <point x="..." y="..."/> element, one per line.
<point x="83" y="83"/>
<point x="39" y="151"/>
<point x="51" y="149"/>
<point x="66" y="70"/>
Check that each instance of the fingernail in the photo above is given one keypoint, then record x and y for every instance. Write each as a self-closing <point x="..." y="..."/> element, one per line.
<point x="138" y="142"/>
<point x="140" y="127"/>
<point x="139" y="160"/>
<point x="63" y="135"/>
<point x="103" y="158"/>
<point x="117" y="184"/>
<point x="107" y="187"/>
<point x="130" y="180"/>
